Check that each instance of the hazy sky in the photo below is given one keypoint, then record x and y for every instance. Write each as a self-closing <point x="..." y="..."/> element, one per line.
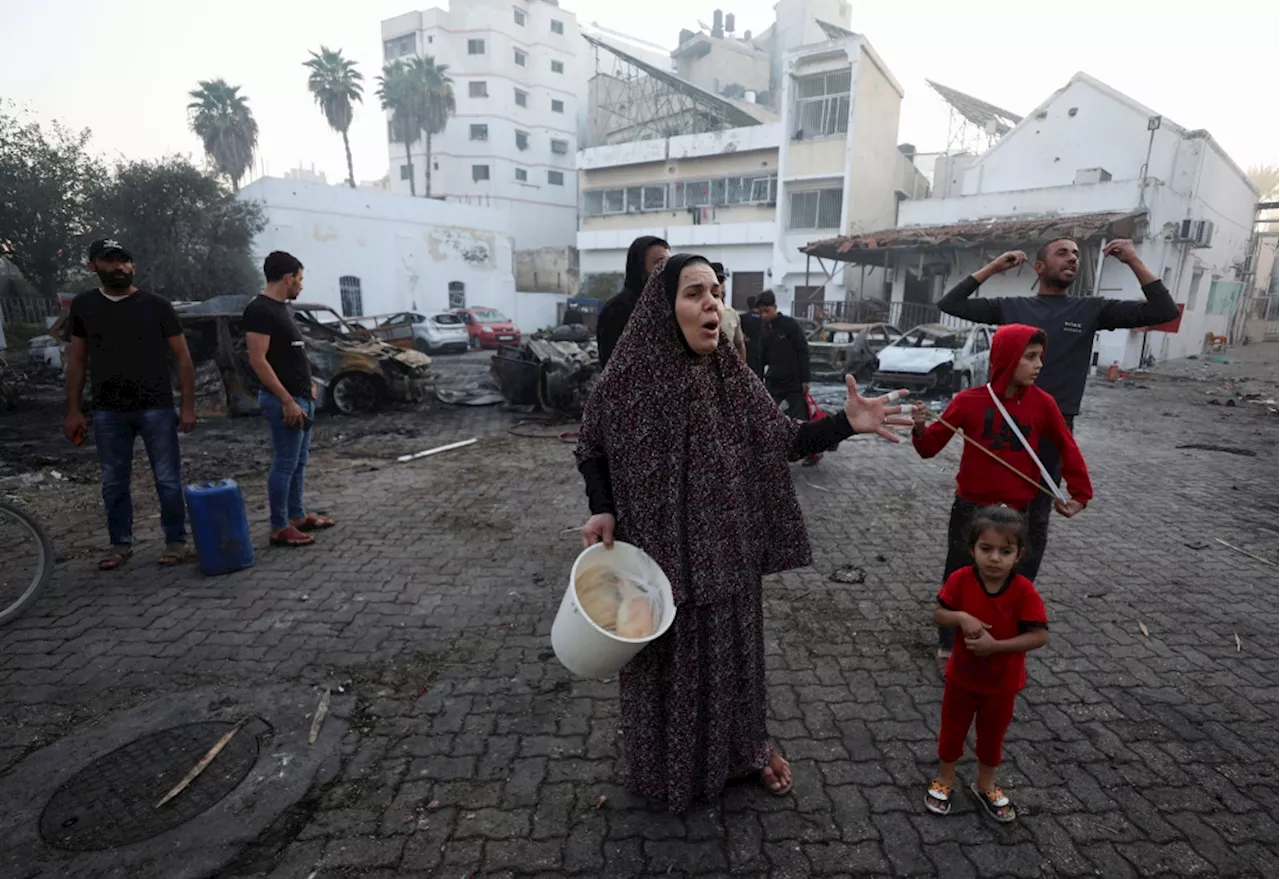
<point x="123" y="67"/>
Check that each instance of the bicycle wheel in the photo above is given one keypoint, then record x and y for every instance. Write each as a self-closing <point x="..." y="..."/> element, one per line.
<point x="28" y="561"/>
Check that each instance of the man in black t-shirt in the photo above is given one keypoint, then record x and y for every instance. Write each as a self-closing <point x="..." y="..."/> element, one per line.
<point x="278" y="355"/>
<point x="125" y="338"/>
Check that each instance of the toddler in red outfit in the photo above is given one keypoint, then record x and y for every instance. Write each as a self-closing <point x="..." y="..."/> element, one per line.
<point x="1001" y="617"/>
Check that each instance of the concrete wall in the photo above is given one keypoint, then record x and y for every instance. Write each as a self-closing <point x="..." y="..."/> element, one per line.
<point x="870" y="199"/>
<point x="542" y="213"/>
<point x="405" y="251"/>
<point x="547" y="270"/>
<point x="728" y="62"/>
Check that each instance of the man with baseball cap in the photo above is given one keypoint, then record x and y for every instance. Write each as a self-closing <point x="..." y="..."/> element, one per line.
<point x="731" y="323"/>
<point x="125" y="338"/>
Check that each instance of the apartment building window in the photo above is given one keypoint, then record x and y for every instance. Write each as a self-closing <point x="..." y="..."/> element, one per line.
<point x="520" y="16"/>
<point x="816" y="209"/>
<point x="398" y="47"/>
<point x="822" y="103"/>
<point x="557" y="106"/>
<point x="522" y="98"/>
<point x="406" y="172"/>
<point x="392" y="136"/>
<point x="457" y="294"/>
<point x="349" y="291"/>
<point x="479" y="172"/>
<point x="557" y="67"/>
<point x="475" y="47"/>
<point x="555" y="178"/>
<point x="560" y="147"/>
<point x="1197" y="278"/>
<point x="522" y="175"/>
<point x="692" y="194"/>
<point x="557" y="27"/>
<point x="600" y="202"/>
<point x="717" y="192"/>
<point x="478" y="89"/>
<point x="479" y="132"/>
<point x="522" y="140"/>
<point x="521" y="58"/>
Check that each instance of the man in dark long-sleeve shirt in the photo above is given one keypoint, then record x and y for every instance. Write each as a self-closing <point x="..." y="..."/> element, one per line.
<point x="1069" y="323"/>
<point x="785" y="358"/>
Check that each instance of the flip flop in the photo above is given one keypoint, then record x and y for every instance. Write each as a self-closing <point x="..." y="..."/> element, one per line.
<point x="116" y="558"/>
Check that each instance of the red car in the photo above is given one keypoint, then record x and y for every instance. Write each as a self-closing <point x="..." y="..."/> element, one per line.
<point x="488" y="327"/>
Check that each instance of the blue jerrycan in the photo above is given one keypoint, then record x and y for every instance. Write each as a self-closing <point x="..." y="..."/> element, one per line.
<point x="220" y="526"/>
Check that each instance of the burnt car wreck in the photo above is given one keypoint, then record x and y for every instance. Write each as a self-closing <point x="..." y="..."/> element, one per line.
<point x="553" y="372"/>
<point x="355" y="372"/>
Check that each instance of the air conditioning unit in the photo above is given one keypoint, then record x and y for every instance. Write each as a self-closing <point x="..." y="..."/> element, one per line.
<point x="1202" y="233"/>
<point x="1197" y="233"/>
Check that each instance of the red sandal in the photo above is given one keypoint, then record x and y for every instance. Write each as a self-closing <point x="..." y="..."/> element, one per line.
<point x="311" y="522"/>
<point x="291" y="537"/>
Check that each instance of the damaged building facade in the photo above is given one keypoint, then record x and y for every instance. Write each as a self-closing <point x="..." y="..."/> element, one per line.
<point x="739" y="182"/>
<point x="1092" y="164"/>
<point x="374" y="253"/>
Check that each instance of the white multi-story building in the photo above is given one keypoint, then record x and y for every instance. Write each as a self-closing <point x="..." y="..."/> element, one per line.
<point x="512" y="140"/>
<point x="1091" y="164"/>
<point x="752" y="196"/>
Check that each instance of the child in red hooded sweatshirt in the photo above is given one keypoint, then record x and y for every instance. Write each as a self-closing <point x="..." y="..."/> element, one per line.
<point x="1017" y="353"/>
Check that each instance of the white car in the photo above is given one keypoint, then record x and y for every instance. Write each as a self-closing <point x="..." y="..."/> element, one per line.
<point x="936" y="359"/>
<point x="433" y="333"/>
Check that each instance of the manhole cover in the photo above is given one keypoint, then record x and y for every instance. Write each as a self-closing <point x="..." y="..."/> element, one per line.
<point x="112" y="801"/>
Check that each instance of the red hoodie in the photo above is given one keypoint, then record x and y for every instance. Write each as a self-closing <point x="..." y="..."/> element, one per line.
<point x="982" y="480"/>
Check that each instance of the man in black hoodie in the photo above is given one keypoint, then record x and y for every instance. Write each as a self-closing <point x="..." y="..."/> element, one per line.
<point x="643" y="256"/>
<point x="753" y="329"/>
<point x="785" y="357"/>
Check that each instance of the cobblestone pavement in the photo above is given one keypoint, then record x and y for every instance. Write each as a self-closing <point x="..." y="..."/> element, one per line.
<point x="470" y="751"/>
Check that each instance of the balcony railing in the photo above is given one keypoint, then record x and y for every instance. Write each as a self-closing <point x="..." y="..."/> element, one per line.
<point x="903" y="315"/>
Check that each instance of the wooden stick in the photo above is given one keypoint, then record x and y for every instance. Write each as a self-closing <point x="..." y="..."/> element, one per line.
<point x="1256" y="558"/>
<point x="990" y="454"/>
<point x="202" y="765"/>
<point x="322" y="710"/>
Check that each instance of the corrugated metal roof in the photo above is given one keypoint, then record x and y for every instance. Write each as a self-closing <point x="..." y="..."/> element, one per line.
<point x="967" y="236"/>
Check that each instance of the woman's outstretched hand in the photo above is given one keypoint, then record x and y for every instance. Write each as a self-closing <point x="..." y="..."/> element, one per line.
<point x="599" y="529"/>
<point x="874" y="414"/>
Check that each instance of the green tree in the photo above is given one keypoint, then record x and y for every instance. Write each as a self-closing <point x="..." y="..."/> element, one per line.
<point x="48" y="183"/>
<point x="435" y="91"/>
<point x="399" y="94"/>
<point x="336" y="85"/>
<point x="221" y="118"/>
<point x="191" y="237"/>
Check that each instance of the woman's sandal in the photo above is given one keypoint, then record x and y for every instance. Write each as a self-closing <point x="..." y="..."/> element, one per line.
<point x="995" y="804"/>
<point x="291" y="537"/>
<point x="174" y="554"/>
<point x="312" y="522"/>
<point x="784" y="788"/>
<point x="116" y="558"/>
<point x="938" y="798"/>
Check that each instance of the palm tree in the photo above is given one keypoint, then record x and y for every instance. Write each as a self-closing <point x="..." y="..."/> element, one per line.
<point x="399" y="93"/>
<point x="221" y="118"/>
<point x="435" y="90"/>
<point x="335" y="83"/>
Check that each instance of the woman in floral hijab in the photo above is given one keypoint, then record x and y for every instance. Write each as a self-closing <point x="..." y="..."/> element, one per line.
<point x="685" y="455"/>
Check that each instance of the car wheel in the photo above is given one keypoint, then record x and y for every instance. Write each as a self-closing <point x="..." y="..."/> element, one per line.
<point x="354" y="394"/>
<point x="473" y="343"/>
<point x="964" y="381"/>
<point x="421" y="346"/>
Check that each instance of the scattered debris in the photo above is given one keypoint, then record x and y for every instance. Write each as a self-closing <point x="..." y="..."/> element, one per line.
<point x="555" y="374"/>
<point x="809" y="483"/>
<point x="434" y="804"/>
<point x="1230" y="450"/>
<point x="601" y="801"/>
<point x="1197" y="545"/>
<point x="322" y="711"/>
<point x="849" y="574"/>
<point x="416" y="455"/>
<point x="202" y="765"/>
<point x="1143" y="627"/>
<point x="1246" y="552"/>
<point x="485" y="393"/>
<point x="1239" y="643"/>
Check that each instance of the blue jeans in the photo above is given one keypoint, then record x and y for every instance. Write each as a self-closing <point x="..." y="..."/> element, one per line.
<point x="292" y="446"/>
<point x="114" y="434"/>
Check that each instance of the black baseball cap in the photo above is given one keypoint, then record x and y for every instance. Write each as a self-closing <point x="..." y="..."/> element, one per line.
<point x="718" y="268"/>
<point x="108" y="247"/>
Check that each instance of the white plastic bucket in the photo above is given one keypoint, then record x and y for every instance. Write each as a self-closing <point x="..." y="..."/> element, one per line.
<point x="582" y="646"/>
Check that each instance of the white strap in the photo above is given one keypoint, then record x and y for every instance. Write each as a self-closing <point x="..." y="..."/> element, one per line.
<point x="1013" y="425"/>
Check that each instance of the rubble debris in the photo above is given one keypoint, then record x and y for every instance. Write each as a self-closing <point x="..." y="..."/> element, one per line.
<point x="1210" y="447"/>
<point x="849" y="574"/>
<point x="554" y="371"/>
<point x="322" y="711"/>
<point x="485" y="393"/>
<point x="1246" y="552"/>
<point x="1146" y="633"/>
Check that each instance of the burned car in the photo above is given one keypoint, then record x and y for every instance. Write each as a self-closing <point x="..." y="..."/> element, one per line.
<point x="840" y="349"/>
<point x="355" y="372"/>
<point x="936" y="359"/>
<point x="553" y="372"/>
